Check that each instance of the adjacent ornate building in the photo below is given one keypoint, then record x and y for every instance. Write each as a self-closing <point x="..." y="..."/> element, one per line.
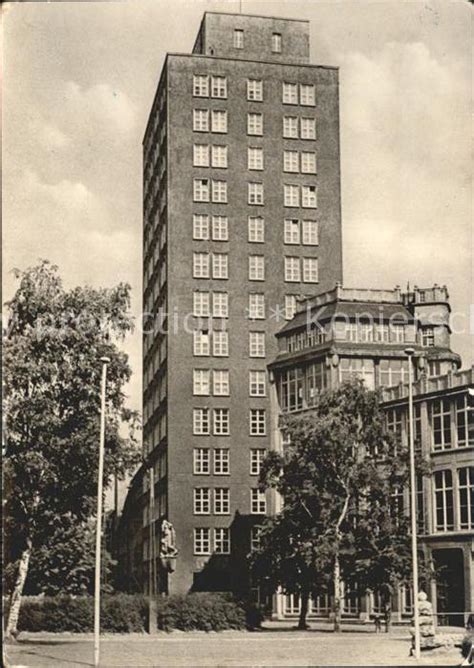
<point x="346" y="333"/>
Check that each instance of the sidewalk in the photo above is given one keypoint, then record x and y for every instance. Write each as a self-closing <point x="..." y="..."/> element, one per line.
<point x="284" y="647"/>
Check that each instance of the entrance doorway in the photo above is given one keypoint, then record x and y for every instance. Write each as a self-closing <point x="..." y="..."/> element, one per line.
<point x="450" y="586"/>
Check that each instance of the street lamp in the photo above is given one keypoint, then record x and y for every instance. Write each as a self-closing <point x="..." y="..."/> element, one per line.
<point x="409" y="352"/>
<point x="98" y="535"/>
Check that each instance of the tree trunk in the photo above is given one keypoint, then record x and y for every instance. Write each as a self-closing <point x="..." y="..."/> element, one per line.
<point x="337" y="595"/>
<point x="15" y="598"/>
<point x="302" y="626"/>
<point x="388" y="612"/>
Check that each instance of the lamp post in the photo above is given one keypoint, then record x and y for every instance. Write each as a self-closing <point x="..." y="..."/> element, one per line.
<point x="409" y="352"/>
<point x="98" y="535"/>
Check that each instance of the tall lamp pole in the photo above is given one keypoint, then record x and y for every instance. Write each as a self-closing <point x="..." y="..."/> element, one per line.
<point x="414" y="539"/>
<point x="98" y="535"/>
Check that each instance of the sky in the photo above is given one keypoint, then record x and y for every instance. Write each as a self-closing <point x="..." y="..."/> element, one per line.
<point x="79" y="80"/>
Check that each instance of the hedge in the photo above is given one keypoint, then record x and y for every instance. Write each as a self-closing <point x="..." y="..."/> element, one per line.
<point x="125" y="613"/>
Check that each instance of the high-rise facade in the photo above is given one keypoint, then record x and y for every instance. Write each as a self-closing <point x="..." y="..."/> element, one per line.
<point x="241" y="217"/>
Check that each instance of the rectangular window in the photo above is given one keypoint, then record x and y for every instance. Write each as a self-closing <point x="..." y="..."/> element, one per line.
<point x="291" y="161"/>
<point x="290" y="127"/>
<point x="202" y="541"/>
<point x="221" y="461"/>
<point x="441" y="424"/>
<point x="221" y="501"/>
<point x="201" y="304"/>
<point x="201" y="190"/>
<point x="220" y="228"/>
<point x="381" y="333"/>
<point x="221" y="422"/>
<point x="257" y="383"/>
<point x="308" y="162"/>
<point x="427" y="337"/>
<point x="290" y="306"/>
<point x="201" y="155"/>
<point x="220" y="265"/>
<point x="290" y="93"/>
<point x="219" y="192"/>
<point x="201" y="120"/>
<point x="257" y="422"/>
<point x="292" y="269"/>
<point x="444" y="501"/>
<point x="219" y="156"/>
<point x="202" y="501"/>
<point x="256" y="268"/>
<point x="256" y="344"/>
<point x="307" y="96"/>
<point x="255" y="90"/>
<point x="256" y="307"/>
<point x="310" y="233"/>
<point x="464" y="418"/>
<point x="258" y="503"/>
<point x="201" y="343"/>
<point x="276" y="42"/>
<point x="200" y="85"/>
<point x="201" y="422"/>
<point x="220" y="305"/>
<point x="397" y="333"/>
<point x="255" y="158"/>
<point x="310" y="270"/>
<point x="292" y="231"/>
<point x="309" y="198"/>
<point x="200" y="265"/>
<point x="200" y="226"/>
<point x="308" y="128"/>
<point x="257" y="455"/>
<point x="220" y="344"/>
<point x="255" y="193"/>
<point x="219" y="87"/>
<point x="222" y="541"/>
<point x="219" y="121"/>
<point x="201" y="461"/>
<point x="291" y="195"/>
<point x="201" y="382"/>
<point x="255" y="124"/>
<point x="255" y="538"/>
<point x="256" y="229"/>
<point x="220" y="383"/>
<point x="466" y="497"/>
<point x="238" y="39"/>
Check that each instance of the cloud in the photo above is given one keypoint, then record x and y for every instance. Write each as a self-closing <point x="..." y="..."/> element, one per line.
<point x="100" y="102"/>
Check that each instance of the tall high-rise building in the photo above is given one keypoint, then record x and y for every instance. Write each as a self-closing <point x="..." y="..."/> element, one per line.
<point x="241" y="216"/>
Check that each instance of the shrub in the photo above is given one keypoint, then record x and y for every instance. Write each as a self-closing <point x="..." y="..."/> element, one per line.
<point x="200" y="612"/>
<point x="119" y="614"/>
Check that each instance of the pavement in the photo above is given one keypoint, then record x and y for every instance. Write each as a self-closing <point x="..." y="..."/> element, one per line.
<point x="269" y="647"/>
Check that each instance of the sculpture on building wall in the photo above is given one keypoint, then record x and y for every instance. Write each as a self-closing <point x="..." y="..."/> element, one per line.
<point x="168" y="549"/>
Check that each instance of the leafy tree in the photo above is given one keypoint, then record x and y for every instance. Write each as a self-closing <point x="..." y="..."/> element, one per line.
<point x="338" y="522"/>
<point x="53" y="342"/>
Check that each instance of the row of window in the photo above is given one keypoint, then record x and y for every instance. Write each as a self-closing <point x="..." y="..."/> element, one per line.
<point x="202" y="541"/>
<point x="221" y="461"/>
<point x="216" y="305"/>
<point x="215" y="86"/>
<point x="276" y="41"/>
<point x="220" y="381"/>
<point x="216" y="121"/>
<point x="220" y="418"/>
<point x="296" y="231"/>
<point x="216" y="155"/>
<point x="215" y="190"/>
<point x="355" y="332"/>
<point x="447" y="516"/>
<point x="216" y="265"/>
<point x="217" y="501"/>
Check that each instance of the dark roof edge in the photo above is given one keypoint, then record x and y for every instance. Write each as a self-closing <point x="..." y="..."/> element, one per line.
<point x="258" y="16"/>
<point x="246" y="60"/>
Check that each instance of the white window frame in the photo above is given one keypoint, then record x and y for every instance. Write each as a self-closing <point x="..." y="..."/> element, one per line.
<point x="255" y="124"/>
<point x="289" y="93"/>
<point x="308" y="162"/>
<point x="292" y="269"/>
<point x="219" y="121"/>
<point x="257" y="383"/>
<point x="202" y="541"/>
<point x="220" y="266"/>
<point x="201" y="382"/>
<point x="290" y="306"/>
<point x="201" y="304"/>
<point x="257" y="422"/>
<point x="309" y="197"/>
<point x="257" y="455"/>
<point x="219" y="86"/>
<point x="221" y="422"/>
<point x="201" y="190"/>
<point x="257" y="344"/>
<point x="201" y="422"/>
<point x="307" y="95"/>
<point x="200" y="155"/>
<point x="220" y="343"/>
<point x="256" y="267"/>
<point x="291" y="161"/>
<point x="238" y="40"/>
<point x="220" y="304"/>
<point x="258" y="502"/>
<point x="220" y="383"/>
<point x="220" y="228"/>
<point x="201" y="343"/>
<point x="221" y="540"/>
<point x="200" y="85"/>
<point x="221" y="461"/>
<point x="221" y="501"/>
<point x="277" y="42"/>
<point x="201" y="120"/>
<point x="256" y="229"/>
<point x="292" y="233"/>
<point x="201" y="461"/>
<point x="255" y="194"/>
<point x="256" y="307"/>
<point x="200" y="226"/>
<point x="219" y="191"/>
<point x="308" y="128"/>
<point x="255" y="158"/>
<point x="219" y="156"/>
<point x="255" y="90"/>
<point x="291" y="195"/>
<point x="200" y="265"/>
<point x="290" y="127"/>
<point x="310" y="270"/>
<point x="310" y="233"/>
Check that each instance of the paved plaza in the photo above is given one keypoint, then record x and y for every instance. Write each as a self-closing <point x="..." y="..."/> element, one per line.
<point x="285" y="647"/>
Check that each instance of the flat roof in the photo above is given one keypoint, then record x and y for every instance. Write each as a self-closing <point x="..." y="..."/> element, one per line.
<point x="258" y="16"/>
